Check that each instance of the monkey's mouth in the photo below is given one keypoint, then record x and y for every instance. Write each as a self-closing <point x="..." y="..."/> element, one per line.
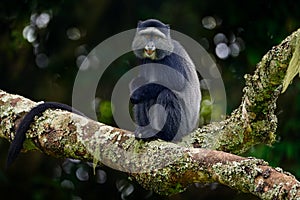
<point x="149" y="53"/>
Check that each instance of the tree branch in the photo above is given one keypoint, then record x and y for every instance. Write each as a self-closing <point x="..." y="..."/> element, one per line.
<point x="254" y="121"/>
<point x="168" y="168"/>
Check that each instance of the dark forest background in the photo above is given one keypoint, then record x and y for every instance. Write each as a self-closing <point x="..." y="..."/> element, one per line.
<point x="42" y="44"/>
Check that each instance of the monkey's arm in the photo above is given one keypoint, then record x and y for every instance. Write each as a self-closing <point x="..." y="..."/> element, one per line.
<point x="20" y="136"/>
<point x="146" y="92"/>
<point x="175" y="74"/>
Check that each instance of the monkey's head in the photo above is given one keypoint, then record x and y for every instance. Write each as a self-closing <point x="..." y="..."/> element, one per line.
<point x="152" y="40"/>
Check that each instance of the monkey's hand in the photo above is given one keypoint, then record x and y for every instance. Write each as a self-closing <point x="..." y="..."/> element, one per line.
<point x="146" y="92"/>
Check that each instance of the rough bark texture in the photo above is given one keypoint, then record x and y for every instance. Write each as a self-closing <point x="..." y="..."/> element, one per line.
<point x="168" y="168"/>
<point x="254" y="120"/>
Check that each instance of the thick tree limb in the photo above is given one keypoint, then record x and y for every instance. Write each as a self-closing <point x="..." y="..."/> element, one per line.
<point x="254" y="121"/>
<point x="165" y="167"/>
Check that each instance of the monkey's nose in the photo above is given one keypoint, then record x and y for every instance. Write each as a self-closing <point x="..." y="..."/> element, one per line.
<point x="150" y="48"/>
<point x="149" y="51"/>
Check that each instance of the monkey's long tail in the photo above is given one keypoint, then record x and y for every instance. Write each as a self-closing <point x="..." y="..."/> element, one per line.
<point x="20" y="136"/>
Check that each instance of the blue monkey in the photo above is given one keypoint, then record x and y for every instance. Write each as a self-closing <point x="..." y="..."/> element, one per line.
<point x="166" y="94"/>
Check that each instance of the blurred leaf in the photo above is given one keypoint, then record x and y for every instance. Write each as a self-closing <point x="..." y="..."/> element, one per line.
<point x="293" y="68"/>
<point x="105" y="109"/>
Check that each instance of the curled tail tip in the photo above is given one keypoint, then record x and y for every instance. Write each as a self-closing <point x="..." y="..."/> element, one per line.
<point x="13" y="153"/>
<point x="8" y="163"/>
<point x="11" y="157"/>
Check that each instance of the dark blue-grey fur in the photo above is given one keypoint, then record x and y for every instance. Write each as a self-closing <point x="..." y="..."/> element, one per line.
<point x="169" y="80"/>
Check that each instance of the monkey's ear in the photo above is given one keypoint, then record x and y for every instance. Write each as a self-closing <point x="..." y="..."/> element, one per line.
<point x="139" y="22"/>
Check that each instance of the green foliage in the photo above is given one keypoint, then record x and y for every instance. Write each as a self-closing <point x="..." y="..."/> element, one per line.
<point x="105" y="110"/>
<point x="205" y="109"/>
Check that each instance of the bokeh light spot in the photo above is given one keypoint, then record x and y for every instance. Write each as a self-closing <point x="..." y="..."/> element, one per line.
<point x="67" y="184"/>
<point x="80" y="62"/>
<point x="101" y="176"/>
<point x="234" y="49"/>
<point x="42" y="60"/>
<point x="29" y="33"/>
<point x="222" y="50"/>
<point x="220" y="38"/>
<point x="73" y="33"/>
<point x="42" y="20"/>
<point x="82" y="174"/>
<point x="209" y="22"/>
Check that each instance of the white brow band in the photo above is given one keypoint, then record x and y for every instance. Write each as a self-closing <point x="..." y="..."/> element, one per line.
<point x="152" y="30"/>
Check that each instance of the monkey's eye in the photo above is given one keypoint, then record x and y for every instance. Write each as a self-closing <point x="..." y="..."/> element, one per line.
<point x="147" y="36"/>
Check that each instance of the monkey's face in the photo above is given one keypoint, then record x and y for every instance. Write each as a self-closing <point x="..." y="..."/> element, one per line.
<point x="152" y="43"/>
<point x="150" y="50"/>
